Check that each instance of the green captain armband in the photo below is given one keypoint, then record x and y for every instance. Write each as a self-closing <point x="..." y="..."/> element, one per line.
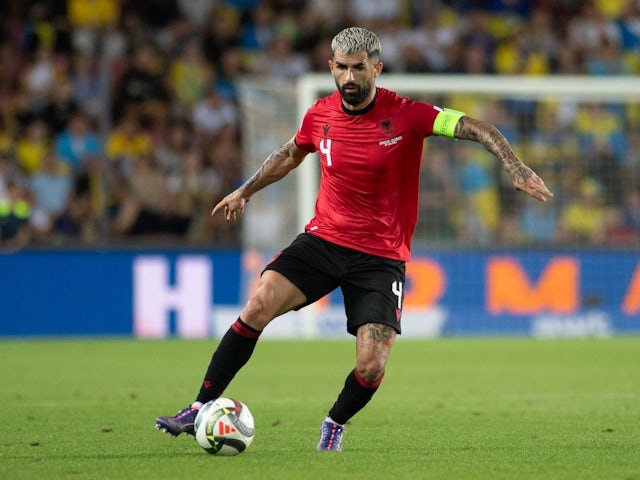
<point x="445" y="124"/>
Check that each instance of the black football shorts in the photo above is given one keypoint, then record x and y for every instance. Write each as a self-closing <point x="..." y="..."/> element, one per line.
<point x="372" y="286"/>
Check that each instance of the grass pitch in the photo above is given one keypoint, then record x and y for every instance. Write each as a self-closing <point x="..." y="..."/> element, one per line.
<point x="447" y="409"/>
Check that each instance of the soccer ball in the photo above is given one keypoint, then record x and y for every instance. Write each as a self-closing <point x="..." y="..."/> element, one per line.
<point x="224" y="427"/>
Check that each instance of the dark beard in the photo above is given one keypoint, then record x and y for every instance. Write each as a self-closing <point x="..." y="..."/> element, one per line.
<point x="357" y="97"/>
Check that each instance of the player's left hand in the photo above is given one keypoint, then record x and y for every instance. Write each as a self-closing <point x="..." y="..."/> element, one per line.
<point x="529" y="182"/>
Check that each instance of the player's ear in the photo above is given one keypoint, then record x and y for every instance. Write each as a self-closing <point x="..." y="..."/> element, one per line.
<point x="377" y="68"/>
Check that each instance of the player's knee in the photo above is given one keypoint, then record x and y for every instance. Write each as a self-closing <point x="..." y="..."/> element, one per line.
<point x="257" y="312"/>
<point x="371" y="370"/>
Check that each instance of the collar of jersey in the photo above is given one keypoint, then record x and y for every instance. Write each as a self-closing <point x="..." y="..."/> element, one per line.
<point x="362" y="111"/>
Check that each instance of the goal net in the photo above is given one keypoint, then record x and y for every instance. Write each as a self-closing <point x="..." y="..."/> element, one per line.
<point x="527" y="267"/>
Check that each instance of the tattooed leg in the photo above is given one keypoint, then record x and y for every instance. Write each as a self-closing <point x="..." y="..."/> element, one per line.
<point x="373" y="346"/>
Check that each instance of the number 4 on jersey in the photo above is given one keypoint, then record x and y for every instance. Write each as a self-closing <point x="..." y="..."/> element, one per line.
<point x="325" y="149"/>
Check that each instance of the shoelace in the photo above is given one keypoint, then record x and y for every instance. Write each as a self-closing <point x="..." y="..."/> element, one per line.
<point x="183" y="413"/>
<point x="332" y="431"/>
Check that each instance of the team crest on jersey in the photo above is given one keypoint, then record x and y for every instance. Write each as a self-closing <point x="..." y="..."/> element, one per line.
<point x="387" y="127"/>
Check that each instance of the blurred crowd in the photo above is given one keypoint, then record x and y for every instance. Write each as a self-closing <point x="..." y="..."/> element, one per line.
<point x="120" y="121"/>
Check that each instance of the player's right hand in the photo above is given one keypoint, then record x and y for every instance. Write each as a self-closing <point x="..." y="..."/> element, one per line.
<point x="232" y="205"/>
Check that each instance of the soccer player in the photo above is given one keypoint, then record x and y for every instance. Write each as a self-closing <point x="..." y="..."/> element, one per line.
<point x="370" y="141"/>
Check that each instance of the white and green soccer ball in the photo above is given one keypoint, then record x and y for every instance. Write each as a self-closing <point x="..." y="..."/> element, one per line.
<point x="224" y="427"/>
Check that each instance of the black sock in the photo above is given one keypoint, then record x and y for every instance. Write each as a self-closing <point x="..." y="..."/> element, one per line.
<point x="232" y="353"/>
<point x="353" y="397"/>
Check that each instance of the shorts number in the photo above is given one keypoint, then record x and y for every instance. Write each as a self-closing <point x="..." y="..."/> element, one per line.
<point x="396" y="289"/>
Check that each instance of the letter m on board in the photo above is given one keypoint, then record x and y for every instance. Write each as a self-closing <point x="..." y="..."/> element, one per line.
<point x="510" y="291"/>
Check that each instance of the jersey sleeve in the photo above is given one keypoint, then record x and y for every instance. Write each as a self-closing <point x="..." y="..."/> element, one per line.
<point x="304" y="136"/>
<point x="433" y="120"/>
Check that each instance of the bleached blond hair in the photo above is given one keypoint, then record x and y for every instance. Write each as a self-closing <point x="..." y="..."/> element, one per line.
<point x="356" y="39"/>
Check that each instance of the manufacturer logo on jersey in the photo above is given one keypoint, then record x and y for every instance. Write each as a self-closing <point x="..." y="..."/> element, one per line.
<point x="387" y="128"/>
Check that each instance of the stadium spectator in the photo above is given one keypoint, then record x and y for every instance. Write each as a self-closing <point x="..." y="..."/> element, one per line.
<point x="589" y="28"/>
<point x="142" y="88"/>
<point x="629" y="24"/>
<point x="86" y="84"/>
<point x="439" y="198"/>
<point x="509" y="8"/>
<point x="81" y="220"/>
<point x="542" y="36"/>
<point x="60" y="106"/>
<point x="606" y="58"/>
<point x="603" y="146"/>
<point x="93" y="14"/>
<point x="6" y="140"/>
<point x="260" y="30"/>
<point x="189" y="76"/>
<point x="552" y="148"/>
<point x="196" y="11"/>
<point x="127" y="141"/>
<point x="11" y="63"/>
<point x="15" y="212"/>
<point x="231" y="70"/>
<point x="567" y="61"/>
<point x="225" y="159"/>
<point x="318" y="55"/>
<point x="551" y="144"/>
<point x="427" y="43"/>
<point x="279" y="61"/>
<point x="7" y="172"/>
<point x="157" y="14"/>
<point x="77" y="143"/>
<point x="538" y="223"/>
<point x="212" y="116"/>
<point x="374" y="13"/>
<point x="175" y="145"/>
<point x="200" y="182"/>
<point x="51" y="186"/>
<point x="476" y="34"/>
<point x="479" y="196"/>
<point x="38" y="77"/>
<point x="310" y="29"/>
<point x="330" y="13"/>
<point x="584" y="221"/>
<point x="518" y="55"/>
<point x="223" y="30"/>
<point x="32" y="146"/>
<point x="147" y="205"/>
<point x="173" y="38"/>
<point x="87" y="18"/>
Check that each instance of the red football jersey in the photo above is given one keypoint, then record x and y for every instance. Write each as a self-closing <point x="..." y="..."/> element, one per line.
<point x="370" y="164"/>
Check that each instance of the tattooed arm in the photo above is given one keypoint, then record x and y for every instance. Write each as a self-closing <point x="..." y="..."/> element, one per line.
<point x="276" y="166"/>
<point x="522" y="177"/>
